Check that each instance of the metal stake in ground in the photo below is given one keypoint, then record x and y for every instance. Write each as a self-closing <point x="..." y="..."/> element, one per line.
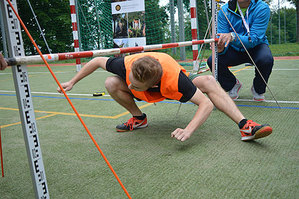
<point x="2" y="169"/>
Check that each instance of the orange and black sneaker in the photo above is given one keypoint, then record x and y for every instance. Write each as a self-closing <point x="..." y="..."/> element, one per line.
<point x="252" y="130"/>
<point x="133" y="123"/>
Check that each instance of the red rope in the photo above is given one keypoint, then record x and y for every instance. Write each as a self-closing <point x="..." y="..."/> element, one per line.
<point x="2" y="169"/>
<point x="87" y="130"/>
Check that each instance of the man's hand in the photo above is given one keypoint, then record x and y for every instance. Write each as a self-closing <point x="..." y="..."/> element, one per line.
<point x="3" y="63"/>
<point x="181" y="134"/>
<point x="66" y="86"/>
<point x="224" y="40"/>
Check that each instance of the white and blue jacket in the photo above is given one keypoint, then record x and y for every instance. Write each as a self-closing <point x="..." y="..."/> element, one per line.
<point x="258" y="19"/>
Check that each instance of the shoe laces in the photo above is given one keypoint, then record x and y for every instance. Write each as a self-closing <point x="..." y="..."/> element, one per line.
<point x="130" y="123"/>
<point x="250" y="123"/>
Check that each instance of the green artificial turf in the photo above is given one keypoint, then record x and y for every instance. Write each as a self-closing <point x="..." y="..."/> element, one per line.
<point x="213" y="163"/>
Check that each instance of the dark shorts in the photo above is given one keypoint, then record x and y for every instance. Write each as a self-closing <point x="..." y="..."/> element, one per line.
<point x="116" y="65"/>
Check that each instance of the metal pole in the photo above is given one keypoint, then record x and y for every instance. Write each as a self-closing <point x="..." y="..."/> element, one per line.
<point x="99" y="40"/>
<point x="285" y="30"/>
<point x="207" y="15"/>
<point x="279" y="21"/>
<point x="1" y="155"/>
<point x="297" y="21"/>
<point x="271" y="27"/>
<point x="181" y="29"/>
<point x="172" y="25"/>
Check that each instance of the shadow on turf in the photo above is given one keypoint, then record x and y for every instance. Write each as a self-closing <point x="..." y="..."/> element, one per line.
<point x="159" y="133"/>
<point x="258" y="143"/>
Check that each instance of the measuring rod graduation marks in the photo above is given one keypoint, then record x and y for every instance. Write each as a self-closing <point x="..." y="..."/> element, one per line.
<point x="20" y="75"/>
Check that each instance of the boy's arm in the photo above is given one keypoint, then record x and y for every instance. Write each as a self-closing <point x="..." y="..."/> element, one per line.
<point x="89" y="68"/>
<point x="205" y="107"/>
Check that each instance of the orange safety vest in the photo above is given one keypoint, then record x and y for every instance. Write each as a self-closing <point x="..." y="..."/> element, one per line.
<point x="169" y="81"/>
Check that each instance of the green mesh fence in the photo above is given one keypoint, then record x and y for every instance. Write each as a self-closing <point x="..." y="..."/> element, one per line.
<point x="96" y="29"/>
<point x="95" y="24"/>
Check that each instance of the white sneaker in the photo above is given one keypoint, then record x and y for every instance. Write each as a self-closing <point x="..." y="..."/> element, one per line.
<point x="234" y="92"/>
<point x="257" y="97"/>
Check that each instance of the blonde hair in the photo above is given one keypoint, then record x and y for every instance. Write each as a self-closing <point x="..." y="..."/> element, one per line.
<point x="147" y="70"/>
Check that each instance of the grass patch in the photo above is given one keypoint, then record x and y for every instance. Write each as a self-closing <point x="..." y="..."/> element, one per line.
<point x="288" y="49"/>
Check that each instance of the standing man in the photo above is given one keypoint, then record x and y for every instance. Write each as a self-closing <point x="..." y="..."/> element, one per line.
<point x="250" y="19"/>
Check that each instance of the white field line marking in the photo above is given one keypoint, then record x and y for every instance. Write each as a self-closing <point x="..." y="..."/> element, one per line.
<point x="269" y="101"/>
<point x="90" y="95"/>
<point x="278" y="69"/>
<point x="49" y="93"/>
<point x="32" y="73"/>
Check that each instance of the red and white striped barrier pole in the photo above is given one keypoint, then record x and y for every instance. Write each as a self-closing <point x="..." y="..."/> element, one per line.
<point x="194" y="33"/>
<point x="75" y="32"/>
<point x="97" y="53"/>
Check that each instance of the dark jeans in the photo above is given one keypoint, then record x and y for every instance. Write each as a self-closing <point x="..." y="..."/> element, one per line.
<point x="260" y="54"/>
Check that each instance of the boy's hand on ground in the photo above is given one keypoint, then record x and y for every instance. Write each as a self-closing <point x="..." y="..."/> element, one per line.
<point x="181" y="134"/>
<point x="66" y="87"/>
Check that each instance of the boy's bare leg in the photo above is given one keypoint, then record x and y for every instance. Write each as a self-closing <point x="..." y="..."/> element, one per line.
<point x="120" y="92"/>
<point x="207" y="84"/>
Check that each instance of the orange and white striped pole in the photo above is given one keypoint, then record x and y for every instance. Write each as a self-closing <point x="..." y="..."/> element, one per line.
<point x="75" y="32"/>
<point x="194" y="33"/>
